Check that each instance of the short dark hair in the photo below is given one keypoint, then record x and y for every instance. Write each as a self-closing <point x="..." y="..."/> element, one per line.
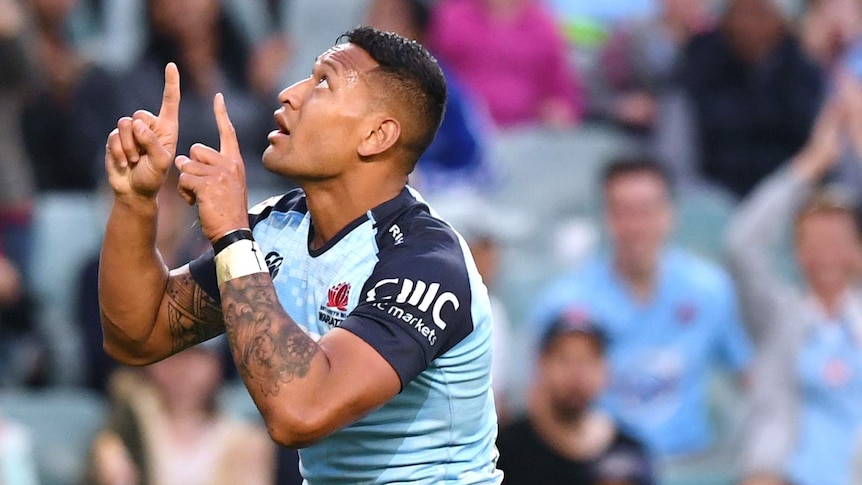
<point x="573" y="321"/>
<point x="411" y="76"/>
<point x="629" y="165"/>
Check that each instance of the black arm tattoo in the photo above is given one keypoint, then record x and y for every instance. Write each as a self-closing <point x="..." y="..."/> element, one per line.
<point x="193" y="316"/>
<point x="268" y="347"/>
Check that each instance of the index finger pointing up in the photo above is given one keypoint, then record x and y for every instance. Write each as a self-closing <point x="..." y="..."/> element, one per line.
<point x="228" y="144"/>
<point x="170" y="109"/>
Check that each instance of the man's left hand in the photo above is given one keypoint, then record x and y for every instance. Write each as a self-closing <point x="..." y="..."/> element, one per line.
<point x="215" y="180"/>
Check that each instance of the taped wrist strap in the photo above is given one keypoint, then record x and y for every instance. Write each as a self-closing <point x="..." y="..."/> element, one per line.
<point x="241" y="258"/>
<point x="230" y="238"/>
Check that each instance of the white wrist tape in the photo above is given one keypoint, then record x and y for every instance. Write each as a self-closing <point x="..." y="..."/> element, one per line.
<point x="241" y="258"/>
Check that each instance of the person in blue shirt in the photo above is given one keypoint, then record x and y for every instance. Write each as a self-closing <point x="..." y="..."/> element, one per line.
<point x="670" y="317"/>
<point x="356" y="317"/>
<point x="805" y="419"/>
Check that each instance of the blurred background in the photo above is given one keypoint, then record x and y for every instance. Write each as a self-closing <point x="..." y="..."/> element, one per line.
<point x="669" y="171"/>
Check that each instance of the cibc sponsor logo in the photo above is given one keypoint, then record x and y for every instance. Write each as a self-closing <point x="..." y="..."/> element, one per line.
<point x="412" y="301"/>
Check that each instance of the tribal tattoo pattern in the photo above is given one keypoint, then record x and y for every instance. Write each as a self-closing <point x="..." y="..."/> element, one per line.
<point x="193" y="316"/>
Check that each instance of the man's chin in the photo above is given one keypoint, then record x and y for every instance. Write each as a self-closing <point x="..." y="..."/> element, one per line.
<point x="273" y="161"/>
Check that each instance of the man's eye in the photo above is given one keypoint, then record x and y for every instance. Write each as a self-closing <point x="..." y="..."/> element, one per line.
<point x="323" y="82"/>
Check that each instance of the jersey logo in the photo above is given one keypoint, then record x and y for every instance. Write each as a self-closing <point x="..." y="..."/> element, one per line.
<point x="338" y="296"/>
<point x="686" y="313"/>
<point x="273" y="262"/>
<point x="396" y="233"/>
<point x="418" y="294"/>
<point x="335" y="310"/>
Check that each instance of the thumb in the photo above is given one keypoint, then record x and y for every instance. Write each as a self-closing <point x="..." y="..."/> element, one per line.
<point x="158" y="156"/>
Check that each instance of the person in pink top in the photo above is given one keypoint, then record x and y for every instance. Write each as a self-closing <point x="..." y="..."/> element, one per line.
<point x="511" y="55"/>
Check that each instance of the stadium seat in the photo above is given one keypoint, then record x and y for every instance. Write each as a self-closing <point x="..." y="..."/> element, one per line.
<point x="235" y="401"/>
<point x="62" y="423"/>
<point x="701" y="219"/>
<point x="554" y="172"/>
<point x="68" y="228"/>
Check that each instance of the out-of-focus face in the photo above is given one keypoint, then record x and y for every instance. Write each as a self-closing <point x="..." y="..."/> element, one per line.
<point x="639" y="216"/>
<point x="843" y="18"/>
<point x="323" y="118"/>
<point x="573" y="373"/>
<point x="189" y="379"/>
<point x="684" y="10"/>
<point x="391" y="16"/>
<point x="52" y="12"/>
<point x="827" y="250"/>
<point x="183" y="19"/>
<point x="753" y="27"/>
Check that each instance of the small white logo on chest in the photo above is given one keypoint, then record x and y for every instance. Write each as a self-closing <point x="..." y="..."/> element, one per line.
<point x="396" y="233"/>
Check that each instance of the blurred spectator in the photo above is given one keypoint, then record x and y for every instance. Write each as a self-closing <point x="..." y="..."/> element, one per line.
<point x="806" y="416"/>
<point x="69" y="107"/>
<point x="165" y="428"/>
<point x="670" y="317"/>
<point x="640" y="62"/>
<point x="17" y="466"/>
<point x="562" y="439"/>
<point x="16" y="184"/>
<point x="23" y="351"/>
<point x="832" y="36"/>
<point x="754" y="92"/>
<point x="511" y="54"/>
<point x="456" y="158"/>
<point x="212" y="57"/>
<point x="638" y="87"/>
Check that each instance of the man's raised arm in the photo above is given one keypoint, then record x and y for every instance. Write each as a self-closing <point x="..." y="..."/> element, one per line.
<point x="147" y="312"/>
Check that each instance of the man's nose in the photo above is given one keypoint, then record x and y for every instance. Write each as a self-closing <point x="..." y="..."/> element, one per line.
<point x="291" y="96"/>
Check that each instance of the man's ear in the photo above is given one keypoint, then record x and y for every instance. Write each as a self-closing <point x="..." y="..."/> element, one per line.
<point x="380" y="137"/>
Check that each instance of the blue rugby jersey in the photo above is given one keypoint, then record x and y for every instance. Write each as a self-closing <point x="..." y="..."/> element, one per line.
<point x="405" y="282"/>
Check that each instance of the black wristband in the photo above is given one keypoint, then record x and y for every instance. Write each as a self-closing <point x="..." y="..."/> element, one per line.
<point x="231" y="238"/>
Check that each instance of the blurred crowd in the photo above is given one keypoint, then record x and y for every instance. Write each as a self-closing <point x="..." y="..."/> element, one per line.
<point x="662" y="197"/>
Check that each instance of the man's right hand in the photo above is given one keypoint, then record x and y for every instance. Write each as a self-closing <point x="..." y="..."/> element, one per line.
<point x="141" y="149"/>
<point x="824" y="145"/>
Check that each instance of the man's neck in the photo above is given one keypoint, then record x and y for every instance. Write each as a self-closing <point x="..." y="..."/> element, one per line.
<point x="333" y="205"/>
<point x="830" y="299"/>
<point x="641" y="278"/>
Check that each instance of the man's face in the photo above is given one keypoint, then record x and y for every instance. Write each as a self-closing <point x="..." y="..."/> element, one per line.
<point x="639" y="216"/>
<point x="323" y="118"/>
<point x="827" y="249"/>
<point x="392" y="16"/>
<point x="185" y="19"/>
<point x="573" y="373"/>
<point x="753" y="27"/>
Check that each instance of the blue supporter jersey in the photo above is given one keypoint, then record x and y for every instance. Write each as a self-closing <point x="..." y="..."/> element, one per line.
<point x="829" y="369"/>
<point x="404" y="281"/>
<point x="661" y="351"/>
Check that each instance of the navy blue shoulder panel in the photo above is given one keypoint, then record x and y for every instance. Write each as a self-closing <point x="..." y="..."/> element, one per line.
<point x="417" y="302"/>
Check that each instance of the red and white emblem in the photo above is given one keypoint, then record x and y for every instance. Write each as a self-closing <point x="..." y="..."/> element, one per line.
<point x="338" y="296"/>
